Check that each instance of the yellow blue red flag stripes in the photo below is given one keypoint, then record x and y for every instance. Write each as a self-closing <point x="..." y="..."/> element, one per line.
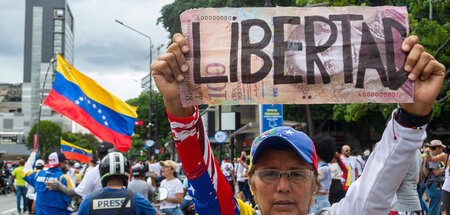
<point x="73" y="152"/>
<point x="81" y="99"/>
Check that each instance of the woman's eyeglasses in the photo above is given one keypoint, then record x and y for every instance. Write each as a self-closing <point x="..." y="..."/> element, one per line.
<point x="297" y="176"/>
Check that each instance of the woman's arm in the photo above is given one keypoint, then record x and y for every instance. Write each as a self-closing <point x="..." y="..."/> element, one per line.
<point x="374" y="192"/>
<point x="211" y="191"/>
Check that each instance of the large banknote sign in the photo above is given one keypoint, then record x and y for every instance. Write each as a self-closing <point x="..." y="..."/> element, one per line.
<point x="296" y="55"/>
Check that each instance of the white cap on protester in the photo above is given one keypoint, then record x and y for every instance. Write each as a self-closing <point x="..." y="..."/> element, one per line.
<point x="437" y="143"/>
<point x="39" y="162"/>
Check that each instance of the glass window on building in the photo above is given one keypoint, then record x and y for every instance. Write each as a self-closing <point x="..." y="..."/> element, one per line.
<point x="57" y="50"/>
<point x="69" y="19"/>
<point x="58" y="13"/>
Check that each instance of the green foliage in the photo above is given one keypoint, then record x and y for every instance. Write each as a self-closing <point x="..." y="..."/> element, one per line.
<point x="49" y="137"/>
<point x="170" y="13"/>
<point x="159" y="116"/>
<point x="432" y="35"/>
<point x="419" y="9"/>
<point x="137" y="145"/>
<point x="87" y="141"/>
<point x="354" y="112"/>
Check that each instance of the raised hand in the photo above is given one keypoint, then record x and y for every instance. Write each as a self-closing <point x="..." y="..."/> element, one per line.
<point x="167" y="71"/>
<point x="427" y="73"/>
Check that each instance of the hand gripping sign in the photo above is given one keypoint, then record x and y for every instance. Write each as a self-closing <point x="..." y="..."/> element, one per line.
<point x="296" y="55"/>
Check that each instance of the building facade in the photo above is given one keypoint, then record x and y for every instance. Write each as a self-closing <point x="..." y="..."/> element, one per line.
<point x="49" y="27"/>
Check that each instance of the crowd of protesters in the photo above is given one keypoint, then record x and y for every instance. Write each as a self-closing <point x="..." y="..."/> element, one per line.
<point x="427" y="180"/>
<point x="61" y="186"/>
<point x="391" y="179"/>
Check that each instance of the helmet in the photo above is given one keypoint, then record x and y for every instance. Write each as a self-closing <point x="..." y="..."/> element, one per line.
<point x="114" y="165"/>
<point x="138" y="171"/>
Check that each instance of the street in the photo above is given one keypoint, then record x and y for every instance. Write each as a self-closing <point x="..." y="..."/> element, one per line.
<point x="8" y="204"/>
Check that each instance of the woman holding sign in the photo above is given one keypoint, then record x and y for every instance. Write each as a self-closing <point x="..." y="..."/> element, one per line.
<point x="283" y="167"/>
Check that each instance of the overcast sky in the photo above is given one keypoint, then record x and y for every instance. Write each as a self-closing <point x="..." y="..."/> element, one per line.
<point x="112" y="55"/>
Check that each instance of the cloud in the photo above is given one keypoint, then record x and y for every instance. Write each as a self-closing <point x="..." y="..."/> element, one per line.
<point x="106" y="51"/>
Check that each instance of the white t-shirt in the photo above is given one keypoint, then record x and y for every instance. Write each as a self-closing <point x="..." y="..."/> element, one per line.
<point x="336" y="172"/>
<point x="359" y="164"/>
<point x="156" y="168"/>
<point x="71" y="174"/>
<point x="91" y="182"/>
<point x="240" y="173"/>
<point x="226" y="168"/>
<point x="352" y="165"/>
<point x="174" y="186"/>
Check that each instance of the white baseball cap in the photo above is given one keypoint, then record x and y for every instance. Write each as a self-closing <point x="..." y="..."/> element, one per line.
<point x="39" y="162"/>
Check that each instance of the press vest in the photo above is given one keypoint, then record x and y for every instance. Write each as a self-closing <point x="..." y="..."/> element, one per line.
<point x="106" y="202"/>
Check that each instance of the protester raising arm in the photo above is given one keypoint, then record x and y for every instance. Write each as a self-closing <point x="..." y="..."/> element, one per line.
<point x="389" y="162"/>
<point x="213" y="194"/>
<point x="374" y="192"/>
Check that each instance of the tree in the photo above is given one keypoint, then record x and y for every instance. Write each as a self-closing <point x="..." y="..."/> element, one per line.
<point x="160" y="124"/>
<point x="49" y="137"/>
<point x="159" y="116"/>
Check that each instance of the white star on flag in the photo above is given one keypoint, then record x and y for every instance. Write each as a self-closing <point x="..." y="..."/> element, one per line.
<point x="81" y="98"/>
<point x="106" y="123"/>
<point x="77" y="102"/>
<point x="191" y="188"/>
<point x="103" y="117"/>
<point x="99" y="111"/>
<point x="289" y="132"/>
<point x="94" y="106"/>
<point x="89" y="102"/>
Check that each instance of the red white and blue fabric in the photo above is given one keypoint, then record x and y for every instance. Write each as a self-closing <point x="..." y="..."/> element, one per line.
<point x="211" y="190"/>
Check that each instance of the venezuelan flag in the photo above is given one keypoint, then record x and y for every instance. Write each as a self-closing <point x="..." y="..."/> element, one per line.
<point x="73" y="152"/>
<point x="82" y="100"/>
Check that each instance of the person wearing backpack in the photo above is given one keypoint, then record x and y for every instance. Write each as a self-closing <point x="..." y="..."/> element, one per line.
<point x="115" y="198"/>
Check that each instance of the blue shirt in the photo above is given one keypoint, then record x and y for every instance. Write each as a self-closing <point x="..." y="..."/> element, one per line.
<point x="324" y="176"/>
<point x="143" y="206"/>
<point x="49" y="201"/>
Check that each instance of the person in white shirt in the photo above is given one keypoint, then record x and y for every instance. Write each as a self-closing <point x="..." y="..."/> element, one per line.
<point x="228" y="170"/>
<point x="71" y="172"/>
<point x="155" y="169"/>
<point x="359" y="162"/>
<point x="241" y="173"/>
<point x="170" y="206"/>
<point x="350" y="163"/>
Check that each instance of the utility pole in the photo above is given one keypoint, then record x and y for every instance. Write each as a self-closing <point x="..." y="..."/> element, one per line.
<point x="150" y="108"/>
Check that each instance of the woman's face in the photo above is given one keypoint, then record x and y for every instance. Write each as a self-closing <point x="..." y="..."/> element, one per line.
<point x="282" y="196"/>
<point x="167" y="171"/>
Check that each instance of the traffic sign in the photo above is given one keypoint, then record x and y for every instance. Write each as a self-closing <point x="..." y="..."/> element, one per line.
<point x="220" y="136"/>
<point x="271" y="116"/>
<point x="150" y="143"/>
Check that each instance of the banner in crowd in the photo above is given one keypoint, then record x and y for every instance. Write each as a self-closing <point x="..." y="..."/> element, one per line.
<point x="296" y="55"/>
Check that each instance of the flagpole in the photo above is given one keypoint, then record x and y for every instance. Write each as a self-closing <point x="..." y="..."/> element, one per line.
<point x="52" y="60"/>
